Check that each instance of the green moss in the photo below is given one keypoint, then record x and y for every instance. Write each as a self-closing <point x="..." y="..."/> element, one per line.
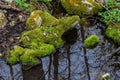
<point x="82" y="8"/>
<point x="48" y="19"/>
<point x="113" y="32"/>
<point x="91" y="41"/>
<point x="39" y="17"/>
<point x="45" y="49"/>
<point x="14" y="55"/>
<point x="29" y="57"/>
<point x="34" y="20"/>
<point x="49" y="35"/>
<point x="42" y="41"/>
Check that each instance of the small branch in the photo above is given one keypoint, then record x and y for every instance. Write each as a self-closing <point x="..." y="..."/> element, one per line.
<point x="114" y="52"/>
<point x="7" y="7"/>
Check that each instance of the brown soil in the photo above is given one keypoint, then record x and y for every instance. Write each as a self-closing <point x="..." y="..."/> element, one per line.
<point x="11" y="32"/>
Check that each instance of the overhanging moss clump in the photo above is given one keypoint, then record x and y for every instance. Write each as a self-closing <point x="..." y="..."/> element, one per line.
<point x="41" y="41"/>
<point x="91" y="41"/>
<point x="14" y="55"/>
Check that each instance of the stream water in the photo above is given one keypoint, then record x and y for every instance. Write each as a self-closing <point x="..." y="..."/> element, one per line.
<point x="72" y="61"/>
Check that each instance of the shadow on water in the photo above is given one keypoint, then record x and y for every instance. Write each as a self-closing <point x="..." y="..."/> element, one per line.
<point x="73" y="61"/>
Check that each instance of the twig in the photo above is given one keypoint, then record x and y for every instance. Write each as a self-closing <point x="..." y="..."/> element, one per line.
<point x="7" y="7"/>
<point x="114" y="52"/>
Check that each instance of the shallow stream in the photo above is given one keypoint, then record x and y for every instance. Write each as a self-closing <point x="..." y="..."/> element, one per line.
<point x="72" y="61"/>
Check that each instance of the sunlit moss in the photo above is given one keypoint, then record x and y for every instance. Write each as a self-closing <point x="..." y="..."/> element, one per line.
<point x="34" y="20"/>
<point x="91" y="41"/>
<point x="39" y="17"/>
<point x="29" y="57"/>
<point x="14" y="55"/>
<point x="41" y="41"/>
<point x="83" y="8"/>
<point x="45" y="49"/>
<point x="49" y="34"/>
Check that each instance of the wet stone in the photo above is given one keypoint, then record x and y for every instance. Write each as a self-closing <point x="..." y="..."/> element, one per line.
<point x="6" y="72"/>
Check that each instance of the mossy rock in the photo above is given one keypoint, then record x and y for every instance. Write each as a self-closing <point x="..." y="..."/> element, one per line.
<point x="49" y="34"/>
<point x="41" y="41"/>
<point x="113" y="32"/>
<point x="91" y="41"/>
<point x="83" y="8"/>
<point x="38" y="18"/>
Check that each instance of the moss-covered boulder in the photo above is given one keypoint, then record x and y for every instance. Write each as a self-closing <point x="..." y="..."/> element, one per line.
<point x="49" y="34"/>
<point x="83" y="8"/>
<point x="38" y="18"/>
<point x="113" y="32"/>
<point x="91" y="41"/>
<point x="42" y="41"/>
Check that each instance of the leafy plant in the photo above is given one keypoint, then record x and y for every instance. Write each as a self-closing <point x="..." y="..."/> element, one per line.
<point x="112" y="15"/>
<point x="112" y="3"/>
<point x="112" y="11"/>
<point x="22" y="3"/>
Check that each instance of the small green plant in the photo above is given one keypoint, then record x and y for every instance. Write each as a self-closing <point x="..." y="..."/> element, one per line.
<point x="112" y="11"/>
<point x="22" y="3"/>
<point x="112" y="15"/>
<point x="112" y="3"/>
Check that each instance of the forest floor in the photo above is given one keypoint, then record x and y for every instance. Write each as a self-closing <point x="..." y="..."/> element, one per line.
<point x="14" y="25"/>
<point x="15" y="20"/>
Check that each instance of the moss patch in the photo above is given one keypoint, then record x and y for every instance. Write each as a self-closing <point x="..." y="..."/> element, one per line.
<point x="113" y="32"/>
<point x="91" y="41"/>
